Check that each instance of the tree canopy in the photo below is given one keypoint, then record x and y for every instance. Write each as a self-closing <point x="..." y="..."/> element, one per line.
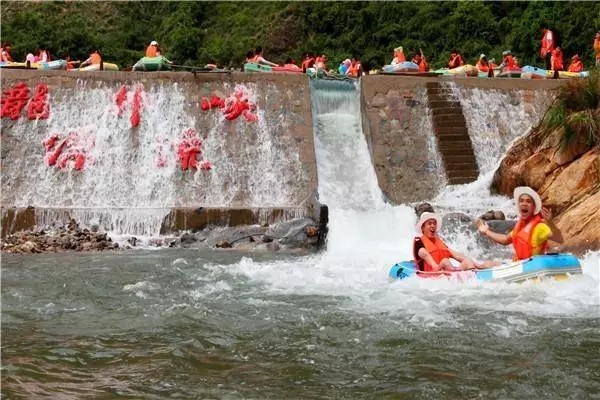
<point x="196" y="33"/>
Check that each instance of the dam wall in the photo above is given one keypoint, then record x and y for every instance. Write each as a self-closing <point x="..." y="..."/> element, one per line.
<point x="398" y="122"/>
<point x="124" y="137"/>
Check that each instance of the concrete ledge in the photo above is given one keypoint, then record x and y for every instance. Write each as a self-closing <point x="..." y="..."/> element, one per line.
<point x="22" y="219"/>
<point x="200" y="218"/>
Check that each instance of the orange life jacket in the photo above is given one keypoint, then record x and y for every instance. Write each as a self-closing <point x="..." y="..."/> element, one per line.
<point x="423" y="66"/>
<point x="354" y="70"/>
<point x="483" y="68"/>
<point x="597" y="48"/>
<point x="547" y="44"/>
<point x="521" y="238"/>
<point x="399" y="57"/>
<point x="151" y="51"/>
<point x="557" y="61"/>
<point x="437" y="249"/>
<point x="576" y="66"/>
<point x="95" y="58"/>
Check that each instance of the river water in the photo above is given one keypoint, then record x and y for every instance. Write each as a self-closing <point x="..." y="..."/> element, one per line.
<point x="220" y="324"/>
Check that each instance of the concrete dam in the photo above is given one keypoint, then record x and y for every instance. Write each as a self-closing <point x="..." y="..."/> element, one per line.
<point x="154" y="153"/>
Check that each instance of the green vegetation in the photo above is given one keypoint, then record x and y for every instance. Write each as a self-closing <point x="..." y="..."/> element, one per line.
<point x="576" y="110"/>
<point x="195" y="33"/>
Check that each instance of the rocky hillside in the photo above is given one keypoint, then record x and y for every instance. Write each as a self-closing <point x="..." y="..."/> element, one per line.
<point x="560" y="159"/>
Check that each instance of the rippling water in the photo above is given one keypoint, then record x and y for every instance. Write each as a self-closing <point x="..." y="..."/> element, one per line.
<point x="219" y="324"/>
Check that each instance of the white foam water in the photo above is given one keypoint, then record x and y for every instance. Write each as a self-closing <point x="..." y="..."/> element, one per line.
<point x="367" y="236"/>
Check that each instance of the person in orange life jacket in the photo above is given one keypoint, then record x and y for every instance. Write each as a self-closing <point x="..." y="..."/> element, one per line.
<point x="508" y="62"/>
<point x="456" y="60"/>
<point x="483" y="65"/>
<point x="420" y="60"/>
<point x="355" y="68"/>
<point x="153" y="50"/>
<point x="547" y="46"/>
<point x="533" y="230"/>
<point x="576" y="64"/>
<point x="93" y="59"/>
<point x="258" y="53"/>
<point x="557" y="60"/>
<point x="398" y="56"/>
<point x="430" y="252"/>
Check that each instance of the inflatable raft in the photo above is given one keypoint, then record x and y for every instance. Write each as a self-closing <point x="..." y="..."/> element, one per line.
<point x="556" y="265"/>
<point x="56" y="64"/>
<point x="405" y="66"/>
<point x="96" y="67"/>
<point x="252" y="67"/>
<point x="467" y="69"/>
<point x="152" y="64"/>
<point x="539" y="73"/>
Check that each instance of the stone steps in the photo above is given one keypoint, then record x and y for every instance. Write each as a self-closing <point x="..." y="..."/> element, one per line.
<point x="451" y="130"/>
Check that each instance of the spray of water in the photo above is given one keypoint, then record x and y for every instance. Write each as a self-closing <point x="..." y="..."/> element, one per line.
<point x="132" y="176"/>
<point x="367" y="236"/>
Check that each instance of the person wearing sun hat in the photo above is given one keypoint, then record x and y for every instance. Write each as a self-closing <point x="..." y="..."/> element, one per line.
<point x="399" y="56"/>
<point x="534" y="228"/>
<point x="483" y="65"/>
<point x="432" y="255"/>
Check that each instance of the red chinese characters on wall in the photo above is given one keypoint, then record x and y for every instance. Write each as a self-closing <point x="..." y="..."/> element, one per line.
<point x="15" y="99"/>
<point x="237" y="104"/>
<point x="188" y="150"/>
<point x="70" y="152"/>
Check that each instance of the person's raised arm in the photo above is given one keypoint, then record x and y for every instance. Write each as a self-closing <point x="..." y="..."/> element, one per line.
<point x="499" y="238"/>
<point x="556" y="235"/>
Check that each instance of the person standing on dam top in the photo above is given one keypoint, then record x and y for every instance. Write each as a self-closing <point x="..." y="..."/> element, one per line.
<point x="547" y="46"/>
<point x="533" y="230"/>
<point x="432" y="255"/>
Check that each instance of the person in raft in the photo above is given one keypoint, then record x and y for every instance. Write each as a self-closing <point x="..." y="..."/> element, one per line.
<point x="154" y="51"/>
<point x="533" y="230"/>
<point x="420" y="60"/>
<point x="93" y="59"/>
<point x="259" y="59"/>
<point x="399" y="56"/>
<point x="432" y="255"/>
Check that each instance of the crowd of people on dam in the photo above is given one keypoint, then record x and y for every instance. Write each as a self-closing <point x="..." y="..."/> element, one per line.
<point x="549" y="51"/>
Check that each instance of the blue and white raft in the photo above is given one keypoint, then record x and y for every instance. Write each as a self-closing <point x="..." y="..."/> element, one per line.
<point x="558" y="266"/>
